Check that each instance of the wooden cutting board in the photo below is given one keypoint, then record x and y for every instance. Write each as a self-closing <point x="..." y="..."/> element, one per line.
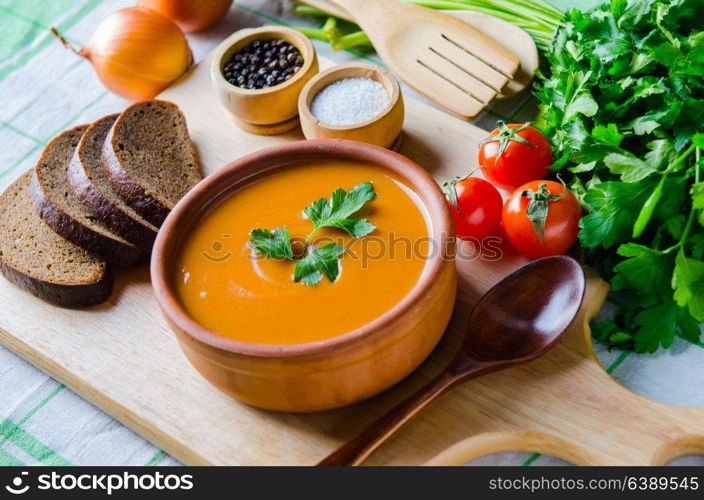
<point x="122" y="357"/>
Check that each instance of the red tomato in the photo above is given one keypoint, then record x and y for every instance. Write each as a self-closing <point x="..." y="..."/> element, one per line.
<point x="476" y="207"/>
<point x="515" y="154"/>
<point x="559" y="227"/>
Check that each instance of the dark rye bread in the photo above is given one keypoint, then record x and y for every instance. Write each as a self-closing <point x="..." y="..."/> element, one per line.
<point x="149" y="158"/>
<point x="92" y="188"/>
<point x="38" y="260"/>
<point x="56" y="204"/>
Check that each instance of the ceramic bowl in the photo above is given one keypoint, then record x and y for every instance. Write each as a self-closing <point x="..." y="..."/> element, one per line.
<point x="269" y="111"/>
<point x="330" y="373"/>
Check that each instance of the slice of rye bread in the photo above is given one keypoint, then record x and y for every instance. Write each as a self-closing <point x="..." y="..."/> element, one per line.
<point x="149" y="158"/>
<point x="56" y="204"/>
<point x="92" y="188"/>
<point x="35" y="258"/>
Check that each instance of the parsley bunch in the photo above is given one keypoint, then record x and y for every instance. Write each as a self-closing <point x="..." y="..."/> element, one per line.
<point x="624" y="108"/>
<point x="320" y="260"/>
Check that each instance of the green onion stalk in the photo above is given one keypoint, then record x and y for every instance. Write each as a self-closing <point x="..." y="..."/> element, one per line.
<point x="540" y="19"/>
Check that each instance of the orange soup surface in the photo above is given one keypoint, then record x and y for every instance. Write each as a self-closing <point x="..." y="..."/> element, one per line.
<point x="225" y="287"/>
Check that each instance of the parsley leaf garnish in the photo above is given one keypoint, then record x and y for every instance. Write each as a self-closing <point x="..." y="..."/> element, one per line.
<point x="322" y="260"/>
<point x="274" y="244"/>
<point x="336" y="211"/>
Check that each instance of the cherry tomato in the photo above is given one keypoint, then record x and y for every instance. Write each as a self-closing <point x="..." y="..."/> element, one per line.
<point x="475" y="206"/>
<point x="515" y="154"/>
<point x="555" y="213"/>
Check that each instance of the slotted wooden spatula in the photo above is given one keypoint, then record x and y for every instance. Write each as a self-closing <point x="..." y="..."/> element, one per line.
<point x="502" y="32"/>
<point x="449" y="62"/>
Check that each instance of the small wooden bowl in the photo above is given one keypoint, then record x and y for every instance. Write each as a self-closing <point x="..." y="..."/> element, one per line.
<point x="382" y="130"/>
<point x="337" y="371"/>
<point x="269" y="111"/>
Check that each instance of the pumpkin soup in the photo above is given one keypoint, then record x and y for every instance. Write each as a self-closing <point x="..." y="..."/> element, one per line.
<point x="229" y="287"/>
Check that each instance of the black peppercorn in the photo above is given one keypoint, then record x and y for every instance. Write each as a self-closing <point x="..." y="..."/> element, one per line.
<point x="263" y="64"/>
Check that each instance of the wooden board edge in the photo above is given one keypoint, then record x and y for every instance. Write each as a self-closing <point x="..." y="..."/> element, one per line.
<point x="592" y="306"/>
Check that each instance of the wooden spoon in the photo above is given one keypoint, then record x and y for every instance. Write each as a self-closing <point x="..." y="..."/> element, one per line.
<point x="449" y="62"/>
<point x="516" y="321"/>
<point x="507" y="34"/>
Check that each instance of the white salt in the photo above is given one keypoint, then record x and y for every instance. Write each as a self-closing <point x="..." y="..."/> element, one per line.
<point x="349" y="101"/>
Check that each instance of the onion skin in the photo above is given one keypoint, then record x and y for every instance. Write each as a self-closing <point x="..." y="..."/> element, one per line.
<point x="136" y="52"/>
<point x="190" y="15"/>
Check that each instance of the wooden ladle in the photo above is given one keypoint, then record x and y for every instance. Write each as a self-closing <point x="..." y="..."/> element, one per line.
<point x="454" y="65"/>
<point x="516" y="321"/>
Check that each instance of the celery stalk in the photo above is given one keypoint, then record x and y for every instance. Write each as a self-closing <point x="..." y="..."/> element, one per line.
<point x="537" y="17"/>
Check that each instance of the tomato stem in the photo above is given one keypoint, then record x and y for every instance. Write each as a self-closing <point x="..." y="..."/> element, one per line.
<point x="507" y="134"/>
<point x="539" y="206"/>
<point x="450" y="189"/>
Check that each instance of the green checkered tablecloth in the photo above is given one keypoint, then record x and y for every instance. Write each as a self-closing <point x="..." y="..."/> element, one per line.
<point x="44" y="90"/>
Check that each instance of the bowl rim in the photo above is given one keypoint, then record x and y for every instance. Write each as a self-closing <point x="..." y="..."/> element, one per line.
<point x="304" y="45"/>
<point x="305" y="107"/>
<point x="285" y="155"/>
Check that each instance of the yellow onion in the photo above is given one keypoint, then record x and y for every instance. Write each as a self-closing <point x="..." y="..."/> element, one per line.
<point x="190" y="15"/>
<point x="136" y="52"/>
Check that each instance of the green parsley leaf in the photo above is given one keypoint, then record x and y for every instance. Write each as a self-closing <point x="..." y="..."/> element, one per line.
<point x="319" y="261"/>
<point x="697" y="191"/>
<point x="697" y="246"/>
<point x="645" y="277"/>
<point x="644" y="125"/>
<point x="689" y="327"/>
<point x="675" y="225"/>
<point x="674" y="200"/>
<point x="688" y="282"/>
<point x="274" y="244"/>
<point x="582" y="104"/>
<point x="646" y="271"/>
<point x="656" y="327"/>
<point x="618" y="7"/>
<point x="630" y="168"/>
<point x="608" y="134"/>
<point x="583" y="167"/>
<point x="612" y="217"/>
<point x="336" y="211"/>
<point x="662" y="152"/>
<point x="609" y="332"/>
